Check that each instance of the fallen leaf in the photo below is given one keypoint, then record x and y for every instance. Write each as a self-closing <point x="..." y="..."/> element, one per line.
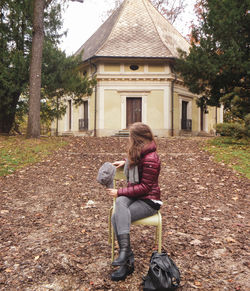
<point x="230" y="240"/>
<point x="197" y="283"/>
<point x="206" y="218"/>
<point x="195" y="242"/>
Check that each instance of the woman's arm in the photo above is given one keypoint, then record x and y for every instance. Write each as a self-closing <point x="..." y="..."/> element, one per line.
<point x="112" y="192"/>
<point x="119" y="164"/>
<point x="150" y="173"/>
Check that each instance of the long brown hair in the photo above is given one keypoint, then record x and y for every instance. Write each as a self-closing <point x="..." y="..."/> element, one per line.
<point x="140" y="134"/>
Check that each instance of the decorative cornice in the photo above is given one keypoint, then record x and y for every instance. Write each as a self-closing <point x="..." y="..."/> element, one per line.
<point x="134" y="91"/>
<point x="139" y="78"/>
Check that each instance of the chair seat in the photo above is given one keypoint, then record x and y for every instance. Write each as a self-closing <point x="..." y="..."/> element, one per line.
<point x="150" y="220"/>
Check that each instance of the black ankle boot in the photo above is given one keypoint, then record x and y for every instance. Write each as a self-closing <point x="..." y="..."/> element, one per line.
<point x="125" y="253"/>
<point x="122" y="272"/>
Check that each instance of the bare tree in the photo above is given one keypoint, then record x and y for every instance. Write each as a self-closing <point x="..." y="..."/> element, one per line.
<point x="170" y="9"/>
<point x="33" y="129"/>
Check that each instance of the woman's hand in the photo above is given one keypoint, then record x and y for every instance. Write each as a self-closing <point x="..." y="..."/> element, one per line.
<point x="119" y="164"/>
<point x="112" y="192"/>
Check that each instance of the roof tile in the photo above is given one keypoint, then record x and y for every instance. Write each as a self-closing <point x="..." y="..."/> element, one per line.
<point x="135" y="29"/>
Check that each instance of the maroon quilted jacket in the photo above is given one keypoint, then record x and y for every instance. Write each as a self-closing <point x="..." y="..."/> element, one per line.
<point x="149" y="169"/>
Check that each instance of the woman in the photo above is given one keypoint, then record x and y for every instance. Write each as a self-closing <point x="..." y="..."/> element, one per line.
<point x="141" y="197"/>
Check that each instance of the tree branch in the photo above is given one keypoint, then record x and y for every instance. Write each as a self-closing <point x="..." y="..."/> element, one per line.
<point x="47" y="2"/>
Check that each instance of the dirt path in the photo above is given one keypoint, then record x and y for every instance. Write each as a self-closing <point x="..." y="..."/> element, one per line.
<point x="53" y="238"/>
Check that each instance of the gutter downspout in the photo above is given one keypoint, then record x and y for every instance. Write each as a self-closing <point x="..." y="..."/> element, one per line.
<point x="172" y="100"/>
<point x="57" y="106"/>
<point x="95" y="111"/>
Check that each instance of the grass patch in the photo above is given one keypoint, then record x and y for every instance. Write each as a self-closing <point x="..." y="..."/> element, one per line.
<point x="233" y="152"/>
<point x="17" y="152"/>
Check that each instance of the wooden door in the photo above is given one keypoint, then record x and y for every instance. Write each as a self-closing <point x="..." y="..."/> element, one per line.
<point x="70" y="113"/>
<point x="184" y="115"/>
<point x="133" y="110"/>
<point x="86" y="117"/>
<point x="202" y="118"/>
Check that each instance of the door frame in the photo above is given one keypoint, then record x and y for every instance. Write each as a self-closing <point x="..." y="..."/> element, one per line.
<point x="189" y="108"/>
<point x="70" y="115"/>
<point x="184" y="114"/>
<point x="86" y="111"/>
<point x="124" y="95"/>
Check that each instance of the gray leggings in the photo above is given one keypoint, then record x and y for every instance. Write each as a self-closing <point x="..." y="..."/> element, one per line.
<point x="128" y="210"/>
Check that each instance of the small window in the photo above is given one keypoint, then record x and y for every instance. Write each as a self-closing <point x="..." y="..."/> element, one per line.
<point x="134" y="67"/>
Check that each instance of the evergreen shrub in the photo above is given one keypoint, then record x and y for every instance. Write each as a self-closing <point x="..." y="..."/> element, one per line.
<point x="235" y="130"/>
<point x="247" y="124"/>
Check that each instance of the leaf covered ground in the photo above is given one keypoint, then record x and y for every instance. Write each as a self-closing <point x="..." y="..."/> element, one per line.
<point x="54" y="220"/>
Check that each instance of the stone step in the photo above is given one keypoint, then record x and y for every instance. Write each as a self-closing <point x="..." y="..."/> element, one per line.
<point x="122" y="133"/>
<point x="67" y="133"/>
<point x="205" y="134"/>
<point x="185" y="133"/>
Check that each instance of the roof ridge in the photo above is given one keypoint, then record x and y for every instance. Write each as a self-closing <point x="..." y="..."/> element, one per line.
<point x="121" y="7"/>
<point x="166" y="21"/>
<point x="103" y="24"/>
<point x="155" y="24"/>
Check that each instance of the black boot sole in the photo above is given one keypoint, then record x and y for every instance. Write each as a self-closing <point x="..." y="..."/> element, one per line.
<point x="121" y="278"/>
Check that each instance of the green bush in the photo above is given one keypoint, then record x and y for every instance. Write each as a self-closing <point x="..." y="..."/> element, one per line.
<point x="235" y="130"/>
<point x="247" y="124"/>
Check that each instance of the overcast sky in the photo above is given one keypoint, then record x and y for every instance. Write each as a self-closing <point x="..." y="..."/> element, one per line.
<point x="81" y="20"/>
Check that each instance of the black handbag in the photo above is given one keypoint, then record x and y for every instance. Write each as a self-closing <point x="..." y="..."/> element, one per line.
<point x="163" y="274"/>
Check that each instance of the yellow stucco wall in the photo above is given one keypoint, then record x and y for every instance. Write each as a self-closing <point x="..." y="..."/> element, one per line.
<point x="60" y="125"/>
<point x="211" y="119"/>
<point x="112" y="110"/>
<point x="156" y="68"/>
<point x="75" y="118"/>
<point x="195" y="116"/>
<point x="92" y="110"/>
<point x="112" y="68"/>
<point x="155" y="107"/>
<point x="176" y="112"/>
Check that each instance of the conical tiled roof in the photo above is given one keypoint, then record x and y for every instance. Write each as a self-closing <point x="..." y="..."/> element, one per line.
<point x="135" y="29"/>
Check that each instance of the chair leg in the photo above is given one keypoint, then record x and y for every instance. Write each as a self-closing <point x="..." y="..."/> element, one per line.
<point x="157" y="235"/>
<point x="110" y="225"/>
<point x="159" y="230"/>
<point x="111" y="235"/>
<point x="112" y="244"/>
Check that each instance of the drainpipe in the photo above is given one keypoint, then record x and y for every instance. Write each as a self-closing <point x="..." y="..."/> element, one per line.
<point x="172" y="100"/>
<point x="57" y="106"/>
<point x="95" y="111"/>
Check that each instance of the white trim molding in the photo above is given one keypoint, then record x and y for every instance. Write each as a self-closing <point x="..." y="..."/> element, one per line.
<point x="100" y="107"/>
<point x="221" y="113"/>
<point x="167" y="106"/>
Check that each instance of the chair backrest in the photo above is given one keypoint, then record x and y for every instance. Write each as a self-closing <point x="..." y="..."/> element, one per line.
<point x="119" y="174"/>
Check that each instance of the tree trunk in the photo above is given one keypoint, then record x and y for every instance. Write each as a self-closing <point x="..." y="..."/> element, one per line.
<point x="33" y="129"/>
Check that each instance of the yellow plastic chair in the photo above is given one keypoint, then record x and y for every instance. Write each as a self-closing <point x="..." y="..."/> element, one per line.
<point x="155" y="220"/>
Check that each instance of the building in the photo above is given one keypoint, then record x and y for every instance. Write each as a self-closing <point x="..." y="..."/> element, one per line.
<point x="132" y="56"/>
